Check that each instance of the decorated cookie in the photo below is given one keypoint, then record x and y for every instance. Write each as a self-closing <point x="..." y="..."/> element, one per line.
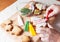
<point x="28" y="9"/>
<point x="37" y="21"/>
<point x="32" y="30"/>
<point x="38" y="29"/>
<point x="37" y="12"/>
<point x="39" y="6"/>
<point x="45" y="33"/>
<point x="20" y="20"/>
<point x="27" y="26"/>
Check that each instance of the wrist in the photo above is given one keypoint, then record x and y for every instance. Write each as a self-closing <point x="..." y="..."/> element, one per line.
<point x="58" y="8"/>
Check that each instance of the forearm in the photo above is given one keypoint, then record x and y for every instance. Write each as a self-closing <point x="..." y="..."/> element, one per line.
<point x="58" y="39"/>
<point x="55" y="36"/>
<point x="59" y="8"/>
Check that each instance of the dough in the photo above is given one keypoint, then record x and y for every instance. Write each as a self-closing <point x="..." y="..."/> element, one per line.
<point x="8" y="27"/>
<point x="17" y="30"/>
<point x="26" y="39"/>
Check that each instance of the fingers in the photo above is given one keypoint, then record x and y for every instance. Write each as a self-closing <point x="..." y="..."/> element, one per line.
<point x="48" y="9"/>
<point x="51" y="14"/>
<point x="54" y="12"/>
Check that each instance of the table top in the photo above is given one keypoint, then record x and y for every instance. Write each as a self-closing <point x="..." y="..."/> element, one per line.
<point x="5" y="3"/>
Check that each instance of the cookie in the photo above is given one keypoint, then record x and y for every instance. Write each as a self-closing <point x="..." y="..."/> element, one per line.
<point x="8" y="22"/>
<point x="39" y="6"/>
<point x="17" y="30"/>
<point x="37" y="12"/>
<point x="26" y="39"/>
<point x="8" y="27"/>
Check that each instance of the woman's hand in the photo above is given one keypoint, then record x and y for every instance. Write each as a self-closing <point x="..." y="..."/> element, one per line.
<point x="54" y="36"/>
<point x="55" y="8"/>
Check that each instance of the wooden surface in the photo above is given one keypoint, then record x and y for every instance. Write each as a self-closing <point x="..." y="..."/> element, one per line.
<point x="5" y="3"/>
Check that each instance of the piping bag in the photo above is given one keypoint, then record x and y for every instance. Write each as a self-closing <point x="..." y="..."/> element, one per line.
<point x="50" y="11"/>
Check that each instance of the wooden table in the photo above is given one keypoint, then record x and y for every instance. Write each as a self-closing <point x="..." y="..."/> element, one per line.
<point x="5" y="3"/>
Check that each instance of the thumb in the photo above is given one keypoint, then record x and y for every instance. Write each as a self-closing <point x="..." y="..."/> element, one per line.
<point x="51" y="14"/>
<point x="55" y="11"/>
